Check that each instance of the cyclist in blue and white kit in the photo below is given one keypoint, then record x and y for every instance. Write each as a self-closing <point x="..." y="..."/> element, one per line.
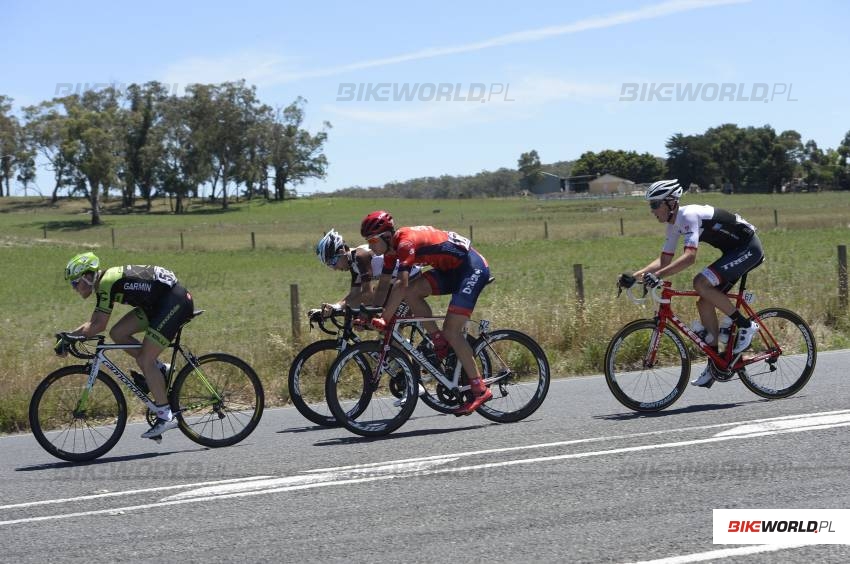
<point x="730" y="233"/>
<point x="364" y="265"/>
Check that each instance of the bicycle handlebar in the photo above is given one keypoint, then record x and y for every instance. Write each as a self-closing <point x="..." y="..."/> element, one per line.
<point x="654" y="293"/>
<point x="76" y="344"/>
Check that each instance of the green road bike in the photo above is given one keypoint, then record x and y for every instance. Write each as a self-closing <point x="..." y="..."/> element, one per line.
<point x="79" y="412"/>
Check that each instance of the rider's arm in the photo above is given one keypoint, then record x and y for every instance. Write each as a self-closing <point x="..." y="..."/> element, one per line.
<point x="682" y="262"/>
<point x="94" y="326"/>
<point x="380" y="295"/>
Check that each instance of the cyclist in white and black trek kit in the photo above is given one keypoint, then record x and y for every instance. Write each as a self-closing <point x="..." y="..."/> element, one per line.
<point x="730" y="233"/>
<point x="160" y="307"/>
<point x="364" y="265"/>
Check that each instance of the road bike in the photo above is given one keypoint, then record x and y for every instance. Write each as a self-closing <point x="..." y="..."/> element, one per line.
<point x="309" y="369"/>
<point x="373" y="386"/>
<point x="79" y="412"/>
<point x="648" y="365"/>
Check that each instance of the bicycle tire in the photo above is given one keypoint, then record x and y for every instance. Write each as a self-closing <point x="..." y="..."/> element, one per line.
<point x="306" y="381"/>
<point x="637" y="386"/>
<point x="60" y="431"/>
<point x="367" y="400"/>
<point x="788" y="372"/>
<point x="521" y="372"/>
<point x="226" y="417"/>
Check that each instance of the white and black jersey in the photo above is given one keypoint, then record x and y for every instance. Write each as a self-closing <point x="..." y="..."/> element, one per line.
<point x="719" y="228"/>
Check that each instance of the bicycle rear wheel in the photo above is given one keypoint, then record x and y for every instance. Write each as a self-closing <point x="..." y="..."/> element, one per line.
<point x="367" y="399"/>
<point x="783" y="373"/>
<point x="220" y="402"/>
<point x="517" y="371"/>
<point x="70" y="432"/>
<point x="641" y="378"/>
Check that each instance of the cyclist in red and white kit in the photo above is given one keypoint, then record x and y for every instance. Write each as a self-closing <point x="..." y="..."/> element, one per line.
<point x="730" y="233"/>
<point x="457" y="269"/>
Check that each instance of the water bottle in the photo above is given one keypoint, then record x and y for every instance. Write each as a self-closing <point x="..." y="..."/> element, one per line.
<point x="725" y="329"/>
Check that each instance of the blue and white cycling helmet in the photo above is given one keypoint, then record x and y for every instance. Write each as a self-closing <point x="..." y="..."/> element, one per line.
<point x="330" y="247"/>
<point x="664" y="190"/>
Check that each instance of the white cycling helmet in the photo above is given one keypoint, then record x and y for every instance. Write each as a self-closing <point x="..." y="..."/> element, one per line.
<point x="664" y="190"/>
<point x="329" y="247"/>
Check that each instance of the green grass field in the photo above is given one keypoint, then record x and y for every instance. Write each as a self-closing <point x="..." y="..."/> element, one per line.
<point x="531" y="246"/>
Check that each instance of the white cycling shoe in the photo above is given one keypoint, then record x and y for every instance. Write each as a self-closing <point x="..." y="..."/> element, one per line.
<point x="704" y="380"/>
<point x="745" y="337"/>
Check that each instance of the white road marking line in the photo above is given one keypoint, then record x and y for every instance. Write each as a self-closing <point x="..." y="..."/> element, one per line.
<point x="334" y="482"/>
<point x="723" y="553"/>
<point x="128" y="492"/>
<point x="582" y="441"/>
<point x="392" y="470"/>
<point x="800" y="423"/>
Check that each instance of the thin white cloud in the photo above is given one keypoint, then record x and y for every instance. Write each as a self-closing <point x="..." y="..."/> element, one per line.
<point x="261" y="69"/>
<point x="645" y="13"/>
<point x="257" y="68"/>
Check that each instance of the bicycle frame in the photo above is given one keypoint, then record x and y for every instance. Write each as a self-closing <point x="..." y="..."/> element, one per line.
<point x="395" y="335"/>
<point x="725" y="360"/>
<point x="100" y="359"/>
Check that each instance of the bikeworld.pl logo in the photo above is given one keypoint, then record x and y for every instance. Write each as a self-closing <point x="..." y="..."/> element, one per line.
<point x="778" y="526"/>
<point x="706" y="92"/>
<point x="423" y="92"/>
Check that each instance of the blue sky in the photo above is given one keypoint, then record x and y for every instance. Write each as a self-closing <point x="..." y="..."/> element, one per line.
<point x="563" y="65"/>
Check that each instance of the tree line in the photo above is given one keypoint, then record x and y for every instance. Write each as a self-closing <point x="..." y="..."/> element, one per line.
<point x="145" y="141"/>
<point x="751" y="159"/>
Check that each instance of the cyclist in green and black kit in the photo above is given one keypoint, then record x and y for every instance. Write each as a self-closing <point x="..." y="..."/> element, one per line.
<point x="161" y="306"/>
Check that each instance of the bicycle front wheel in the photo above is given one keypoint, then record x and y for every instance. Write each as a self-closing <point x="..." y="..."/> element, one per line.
<point x="793" y="353"/>
<point x="219" y="402"/>
<point x="368" y="399"/>
<point x="643" y="373"/>
<point x="306" y="381"/>
<point x="74" y="428"/>
<point x="517" y="371"/>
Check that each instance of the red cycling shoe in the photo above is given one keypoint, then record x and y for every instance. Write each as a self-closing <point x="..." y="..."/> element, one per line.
<point x="479" y="399"/>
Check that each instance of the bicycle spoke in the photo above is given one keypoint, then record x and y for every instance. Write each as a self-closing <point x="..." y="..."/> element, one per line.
<point x="781" y="374"/>
<point x="220" y="402"/>
<point x="638" y="382"/>
<point x="73" y="431"/>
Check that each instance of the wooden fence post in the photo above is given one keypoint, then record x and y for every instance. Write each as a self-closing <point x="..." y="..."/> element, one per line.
<point x="775" y="218"/>
<point x="545" y="229"/>
<point x="45" y="232"/>
<point x="842" y="276"/>
<point x="295" y="307"/>
<point x="470" y="232"/>
<point x="253" y="241"/>
<point x="579" y="276"/>
<point x="113" y="237"/>
<point x="622" y="231"/>
<point x="181" y="240"/>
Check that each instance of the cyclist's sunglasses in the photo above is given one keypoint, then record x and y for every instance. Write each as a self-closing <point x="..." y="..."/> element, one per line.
<point x="334" y="259"/>
<point x="655" y="204"/>
<point x="75" y="283"/>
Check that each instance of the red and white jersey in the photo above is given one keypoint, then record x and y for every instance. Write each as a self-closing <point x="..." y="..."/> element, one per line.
<point x="426" y="245"/>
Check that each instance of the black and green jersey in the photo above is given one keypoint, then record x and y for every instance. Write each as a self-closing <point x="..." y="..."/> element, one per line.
<point x="137" y="285"/>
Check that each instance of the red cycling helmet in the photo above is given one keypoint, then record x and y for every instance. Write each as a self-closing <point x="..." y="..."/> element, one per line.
<point x="376" y="223"/>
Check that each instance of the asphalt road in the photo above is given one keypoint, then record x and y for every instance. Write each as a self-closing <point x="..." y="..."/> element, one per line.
<point x="582" y="480"/>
